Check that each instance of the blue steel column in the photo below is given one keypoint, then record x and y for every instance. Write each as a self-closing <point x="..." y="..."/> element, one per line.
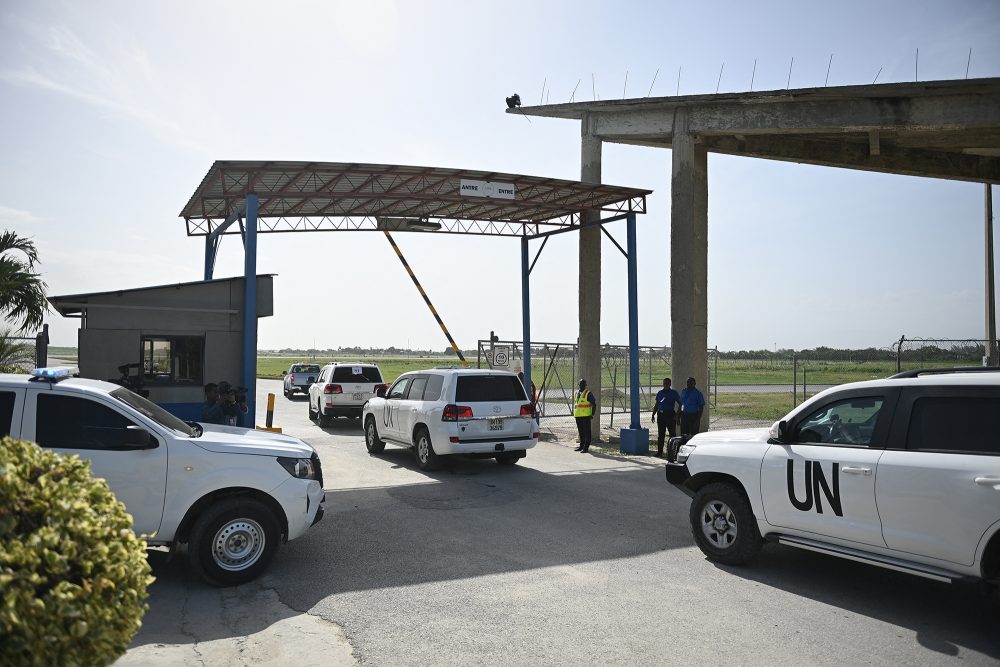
<point x="250" y="311"/>
<point x="211" y="248"/>
<point x="634" y="439"/>
<point x="526" y="316"/>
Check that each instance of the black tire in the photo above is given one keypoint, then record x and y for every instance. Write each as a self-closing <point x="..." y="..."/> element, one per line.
<point x="325" y="420"/>
<point x="373" y="443"/>
<point x="233" y="541"/>
<point x="509" y="458"/>
<point x="723" y="524"/>
<point x="287" y="395"/>
<point x="423" y="450"/>
<point x="312" y="413"/>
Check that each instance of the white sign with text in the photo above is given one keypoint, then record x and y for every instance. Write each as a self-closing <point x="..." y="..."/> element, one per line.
<point x="470" y="188"/>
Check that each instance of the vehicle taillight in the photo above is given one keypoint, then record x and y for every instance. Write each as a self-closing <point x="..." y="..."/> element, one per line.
<point x="527" y="409"/>
<point x="333" y="389"/>
<point x="453" y="413"/>
<point x="291" y="378"/>
<point x="535" y="435"/>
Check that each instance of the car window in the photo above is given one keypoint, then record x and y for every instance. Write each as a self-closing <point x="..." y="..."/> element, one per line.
<point x="432" y="392"/>
<point x="305" y="368"/>
<point x="475" y="388"/>
<point x="6" y="412"/>
<point x="416" y="392"/>
<point x="848" y="422"/>
<point x="70" y="422"/>
<point x="398" y="390"/>
<point x="357" y="374"/>
<point x="956" y="424"/>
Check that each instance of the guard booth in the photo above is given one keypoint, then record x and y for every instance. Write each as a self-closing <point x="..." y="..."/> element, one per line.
<point x="176" y="337"/>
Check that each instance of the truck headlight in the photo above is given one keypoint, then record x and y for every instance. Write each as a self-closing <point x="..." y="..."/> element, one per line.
<point x="684" y="451"/>
<point x="300" y="468"/>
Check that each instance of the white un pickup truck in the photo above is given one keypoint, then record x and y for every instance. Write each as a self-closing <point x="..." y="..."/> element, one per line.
<point x="233" y="495"/>
<point x="901" y="473"/>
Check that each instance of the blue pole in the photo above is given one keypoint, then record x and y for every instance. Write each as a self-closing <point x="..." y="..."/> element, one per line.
<point x="210" y="252"/>
<point x="250" y="310"/>
<point x="526" y="316"/>
<point x="633" y="321"/>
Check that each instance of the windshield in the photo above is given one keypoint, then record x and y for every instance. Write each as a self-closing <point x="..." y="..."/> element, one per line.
<point x="153" y="411"/>
<point x="361" y="374"/>
<point x="305" y="368"/>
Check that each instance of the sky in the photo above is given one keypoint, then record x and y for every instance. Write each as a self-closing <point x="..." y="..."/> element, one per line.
<point x="111" y="112"/>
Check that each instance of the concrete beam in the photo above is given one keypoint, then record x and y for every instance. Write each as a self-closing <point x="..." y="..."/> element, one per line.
<point x="689" y="259"/>
<point x="857" y="155"/>
<point x="590" y="269"/>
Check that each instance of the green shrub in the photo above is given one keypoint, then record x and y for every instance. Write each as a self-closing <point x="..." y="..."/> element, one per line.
<point x="73" y="575"/>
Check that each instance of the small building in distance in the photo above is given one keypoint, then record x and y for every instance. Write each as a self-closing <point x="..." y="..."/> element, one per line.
<point x="175" y="338"/>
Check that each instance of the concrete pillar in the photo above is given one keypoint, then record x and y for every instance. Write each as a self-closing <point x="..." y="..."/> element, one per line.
<point x="689" y="259"/>
<point x="590" y="270"/>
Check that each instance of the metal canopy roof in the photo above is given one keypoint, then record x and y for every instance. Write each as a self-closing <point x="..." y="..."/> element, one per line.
<point x="335" y="196"/>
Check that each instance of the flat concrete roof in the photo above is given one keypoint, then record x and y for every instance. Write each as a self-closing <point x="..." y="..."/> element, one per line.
<point x="943" y="129"/>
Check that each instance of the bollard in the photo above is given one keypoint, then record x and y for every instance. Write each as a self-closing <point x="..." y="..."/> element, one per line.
<point x="269" y="422"/>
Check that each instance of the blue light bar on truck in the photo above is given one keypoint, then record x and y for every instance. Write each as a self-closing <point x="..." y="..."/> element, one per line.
<point x="55" y="373"/>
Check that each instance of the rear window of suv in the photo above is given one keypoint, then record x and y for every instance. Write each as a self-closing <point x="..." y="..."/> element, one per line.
<point x="475" y="388"/>
<point x="356" y="374"/>
<point x="305" y="369"/>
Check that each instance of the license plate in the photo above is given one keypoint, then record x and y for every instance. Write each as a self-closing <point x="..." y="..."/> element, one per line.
<point x="496" y="423"/>
<point x="358" y="396"/>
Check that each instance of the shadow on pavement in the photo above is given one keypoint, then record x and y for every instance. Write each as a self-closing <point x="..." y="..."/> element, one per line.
<point x="475" y="518"/>
<point x="943" y="616"/>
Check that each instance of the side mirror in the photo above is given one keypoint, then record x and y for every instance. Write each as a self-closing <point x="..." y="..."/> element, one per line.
<point x="779" y="432"/>
<point x="139" y="438"/>
<point x="284" y="372"/>
<point x="380" y="392"/>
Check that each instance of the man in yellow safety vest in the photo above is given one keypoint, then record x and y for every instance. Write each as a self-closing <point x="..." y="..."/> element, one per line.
<point x="583" y="410"/>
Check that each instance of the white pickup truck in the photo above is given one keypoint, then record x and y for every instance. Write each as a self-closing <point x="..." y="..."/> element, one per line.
<point x="299" y="377"/>
<point x="231" y="494"/>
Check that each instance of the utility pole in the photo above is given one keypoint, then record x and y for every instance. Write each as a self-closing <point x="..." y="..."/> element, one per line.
<point x="991" y="358"/>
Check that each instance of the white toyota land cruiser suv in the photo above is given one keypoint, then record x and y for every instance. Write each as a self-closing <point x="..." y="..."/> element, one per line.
<point x="903" y="473"/>
<point x="342" y="389"/>
<point x="231" y="494"/>
<point x="444" y="411"/>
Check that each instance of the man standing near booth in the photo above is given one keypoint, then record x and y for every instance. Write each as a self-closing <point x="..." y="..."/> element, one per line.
<point x="583" y="410"/>
<point x="692" y="407"/>
<point x="665" y="414"/>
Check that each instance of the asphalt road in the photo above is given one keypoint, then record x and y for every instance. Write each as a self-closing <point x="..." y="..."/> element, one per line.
<point x="563" y="559"/>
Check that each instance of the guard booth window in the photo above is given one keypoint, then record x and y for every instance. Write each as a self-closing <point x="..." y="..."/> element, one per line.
<point x="173" y="359"/>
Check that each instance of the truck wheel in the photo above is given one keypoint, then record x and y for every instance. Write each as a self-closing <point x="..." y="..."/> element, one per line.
<point x="509" y="458"/>
<point x="424" y="450"/>
<point x="233" y="541"/>
<point x="285" y="390"/>
<point x="312" y="413"/>
<point x="372" y="441"/>
<point x="324" y="419"/>
<point x="723" y="524"/>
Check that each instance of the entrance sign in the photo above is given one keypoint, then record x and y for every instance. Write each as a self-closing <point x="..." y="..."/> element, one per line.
<point x="470" y="188"/>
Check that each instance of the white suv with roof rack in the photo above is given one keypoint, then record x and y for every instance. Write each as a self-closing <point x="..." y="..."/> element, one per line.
<point x="231" y="494"/>
<point x="342" y="389"/>
<point x="902" y="473"/>
<point x="444" y="411"/>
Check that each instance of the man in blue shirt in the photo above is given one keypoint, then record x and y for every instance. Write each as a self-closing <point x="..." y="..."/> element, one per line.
<point x="692" y="407"/>
<point x="665" y="414"/>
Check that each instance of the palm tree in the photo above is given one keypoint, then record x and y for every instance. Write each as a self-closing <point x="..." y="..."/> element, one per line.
<point x="22" y="291"/>
<point x="15" y="356"/>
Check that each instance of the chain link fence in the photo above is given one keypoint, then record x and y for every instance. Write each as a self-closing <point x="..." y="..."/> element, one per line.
<point x="743" y="388"/>
<point x="20" y="354"/>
